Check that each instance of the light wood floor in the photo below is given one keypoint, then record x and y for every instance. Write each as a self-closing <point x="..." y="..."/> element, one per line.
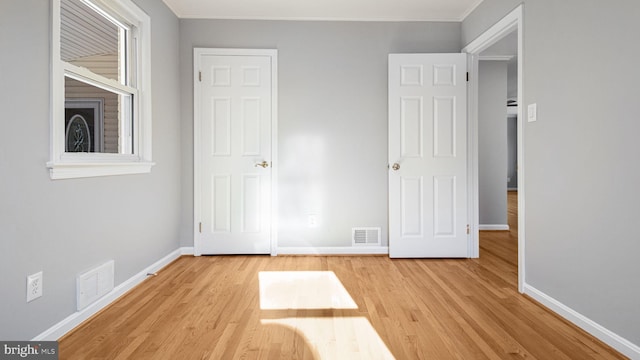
<point x="210" y="308"/>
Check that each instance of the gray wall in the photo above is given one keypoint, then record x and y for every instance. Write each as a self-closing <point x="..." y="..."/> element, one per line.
<point x="492" y="143"/>
<point x="64" y="227"/>
<point x="512" y="78"/>
<point x="332" y="126"/>
<point x="581" y="156"/>
<point x="512" y="152"/>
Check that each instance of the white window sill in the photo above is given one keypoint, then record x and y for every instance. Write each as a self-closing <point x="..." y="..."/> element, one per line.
<point x="70" y="170"/>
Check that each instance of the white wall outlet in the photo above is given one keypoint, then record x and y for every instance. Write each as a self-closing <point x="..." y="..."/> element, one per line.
<point x="312" y="221"/>
<point x="532" y="112"/>
<point x="34" y="286"/>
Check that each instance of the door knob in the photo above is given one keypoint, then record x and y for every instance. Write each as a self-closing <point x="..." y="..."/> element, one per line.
<point x="395" y="166"/>
<point x="264" y="164"/>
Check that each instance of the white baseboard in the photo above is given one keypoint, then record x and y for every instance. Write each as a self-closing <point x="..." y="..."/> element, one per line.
<point x="337" y="250"/>
<point x="186" y="250"/>
<point x="612" y="339"/>
<point x="70" y="322"/>
<point x="493" y="227"/>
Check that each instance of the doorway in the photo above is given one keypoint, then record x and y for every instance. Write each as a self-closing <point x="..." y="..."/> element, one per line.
<point x="509" y="24"/>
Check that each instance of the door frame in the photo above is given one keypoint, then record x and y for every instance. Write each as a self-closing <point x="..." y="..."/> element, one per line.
<point x="511" y="22"/>
<point x="197" y="146"/>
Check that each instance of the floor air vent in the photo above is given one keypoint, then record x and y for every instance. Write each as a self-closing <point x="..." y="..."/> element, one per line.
<point x="363" y="236"/>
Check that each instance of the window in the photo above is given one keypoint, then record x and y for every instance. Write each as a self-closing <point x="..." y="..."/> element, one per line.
<point x="101" y="110"/>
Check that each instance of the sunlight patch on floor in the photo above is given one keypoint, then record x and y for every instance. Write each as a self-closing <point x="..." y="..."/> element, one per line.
<point x="329" y="337"/>
<point x="303" y="290"/>
<point x="338" y="337"/>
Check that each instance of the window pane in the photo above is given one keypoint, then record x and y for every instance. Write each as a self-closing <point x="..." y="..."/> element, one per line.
<point x="89" y="40"/>
<point x="93" y="117"/>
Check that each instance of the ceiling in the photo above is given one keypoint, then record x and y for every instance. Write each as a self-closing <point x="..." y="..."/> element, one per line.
<point x="358" y="10"/>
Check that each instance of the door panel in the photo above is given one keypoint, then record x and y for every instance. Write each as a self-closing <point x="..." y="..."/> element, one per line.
<point x="427" y="155"/>
<point x="221" y="129"/>
<point x="251" y="211"/>
<point x="412" y="206"/>
<point x="220" y="203"/>
<point x="236" y="157"/>
<point x="444" y="201"/>
<point x="444" y="126"/>
<point x="250" y="126"/>
<point x="411" y="127"/>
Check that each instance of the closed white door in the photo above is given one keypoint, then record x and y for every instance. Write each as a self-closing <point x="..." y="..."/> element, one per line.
<point x="428" y="155"/>
<point x="235" y="115"/>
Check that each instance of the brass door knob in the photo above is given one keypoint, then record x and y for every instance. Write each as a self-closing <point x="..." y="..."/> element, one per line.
<point x="395" y="166"/>
<point x="264" y="164"/>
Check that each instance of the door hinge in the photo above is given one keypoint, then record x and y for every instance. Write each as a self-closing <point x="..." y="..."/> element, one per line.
<point x="200" y="227"/>
<point x="467" y="76"/>
<point x="200" y="76"/>
<point x="468" y="229"/>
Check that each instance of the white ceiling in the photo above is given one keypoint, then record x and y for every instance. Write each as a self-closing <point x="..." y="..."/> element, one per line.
<point x="359" y="10"/>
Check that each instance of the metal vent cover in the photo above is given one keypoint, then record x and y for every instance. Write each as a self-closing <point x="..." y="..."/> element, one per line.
<point x="365" y="236"/>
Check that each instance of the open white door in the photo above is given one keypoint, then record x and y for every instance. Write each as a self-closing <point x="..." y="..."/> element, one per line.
<point x="234" y="118"/>
<point x="428" y="155"/>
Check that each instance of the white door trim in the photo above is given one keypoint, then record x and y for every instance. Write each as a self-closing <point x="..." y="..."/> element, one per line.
<point x="511" y="22"/>
<point x="197" y="186"/>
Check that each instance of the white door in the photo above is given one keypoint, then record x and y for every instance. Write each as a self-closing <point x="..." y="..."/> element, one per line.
<point x="428" y="155"/>
<point x="235" y="173"/>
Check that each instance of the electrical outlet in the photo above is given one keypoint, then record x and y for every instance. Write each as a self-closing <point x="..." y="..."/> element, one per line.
<point x="312" y="221"/>
<point x="34" y="286"/>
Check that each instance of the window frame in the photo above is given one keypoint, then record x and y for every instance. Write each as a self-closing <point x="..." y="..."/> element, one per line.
<point x="63" y="165"/>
